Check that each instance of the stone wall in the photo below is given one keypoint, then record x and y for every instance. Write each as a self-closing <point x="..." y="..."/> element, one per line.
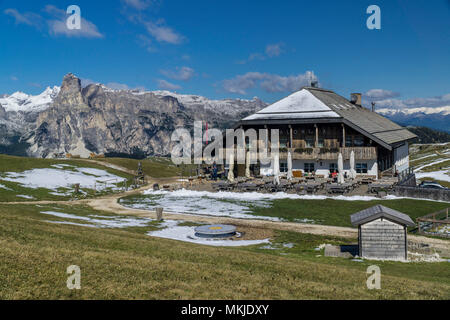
<point x="416" y="192"/>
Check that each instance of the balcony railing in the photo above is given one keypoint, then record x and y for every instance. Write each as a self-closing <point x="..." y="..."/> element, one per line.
<point x="361" y="153"/>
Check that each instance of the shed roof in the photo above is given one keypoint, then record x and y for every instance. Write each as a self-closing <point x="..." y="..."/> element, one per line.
<point x="379" y="211"/>
<point x="316" y="103"/>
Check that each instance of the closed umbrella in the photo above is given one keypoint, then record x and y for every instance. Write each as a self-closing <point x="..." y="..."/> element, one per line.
<point x="375" y="169"/>
<point x="247" y="164"/>
<point x="231" y="168"/>
<point x="276" y="169"/>
<point x="352" y="165"/>
<point x="289" y="164"/>
<point x="340" y="169"/>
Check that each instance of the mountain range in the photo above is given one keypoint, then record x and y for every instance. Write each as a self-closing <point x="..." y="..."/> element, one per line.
<point x="435" y="118"/>
<point x="97" y="119"/>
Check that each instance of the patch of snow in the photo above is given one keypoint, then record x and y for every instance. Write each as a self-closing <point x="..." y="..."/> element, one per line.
<point x="430" y="164"/>
<point x="225" y="203"/>
<point x="104" y="222"/>
<point x="5" y="187"/>
<point x="187" y="234"/>
<point x="53" y="179"/>
<point x="25" y="196"/>
<point x="320" y="247"/>
<point x="442" y="175"/>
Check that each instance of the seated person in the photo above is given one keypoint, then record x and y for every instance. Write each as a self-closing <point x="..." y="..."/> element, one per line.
<point x="334" y="175"/>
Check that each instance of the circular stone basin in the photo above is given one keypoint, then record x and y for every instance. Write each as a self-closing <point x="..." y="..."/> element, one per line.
<point x="215" y="231"/>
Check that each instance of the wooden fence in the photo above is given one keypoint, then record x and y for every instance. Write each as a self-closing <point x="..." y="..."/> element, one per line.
<point x="433" y="222"/>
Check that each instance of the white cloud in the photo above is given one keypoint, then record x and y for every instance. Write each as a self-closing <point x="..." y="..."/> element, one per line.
<point x="274" y="50"/>
<point x="57" y="26"/>
<point x="28" y="18"/>
<point x="271" y="51"/>
<point x="432" y="102"/>
<point x="380" y="94"/>
<point x="163" y="33"/>
<point x="137" y="4"/>
<point x="165" y="85"/>
<point x="268" y="82"/>
<point x="56" y="22"/>
<point x="14" y="78"/>
<point x="183" y="73"/>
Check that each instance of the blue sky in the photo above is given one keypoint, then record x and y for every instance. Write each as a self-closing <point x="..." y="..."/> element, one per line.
<point x="236" y="49"/>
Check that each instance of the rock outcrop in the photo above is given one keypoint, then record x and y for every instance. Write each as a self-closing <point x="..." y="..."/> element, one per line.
<point x="105" y="121"/>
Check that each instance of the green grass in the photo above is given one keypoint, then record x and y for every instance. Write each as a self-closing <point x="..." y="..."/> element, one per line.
<point x="304" y="249"/>
<point x="123" y="264"/>
<point x="20" y="164"/>
<point x="156" y="167"/>
<point x="337" y="212"/>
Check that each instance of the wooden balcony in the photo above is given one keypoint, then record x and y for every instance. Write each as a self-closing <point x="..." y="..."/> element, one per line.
<point x="361" y="153"/>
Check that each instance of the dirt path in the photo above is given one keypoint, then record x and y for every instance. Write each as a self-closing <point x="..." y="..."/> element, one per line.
<point x="110" y="204"/>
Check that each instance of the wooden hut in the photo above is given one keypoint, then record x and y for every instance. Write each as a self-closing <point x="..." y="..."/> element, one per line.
<point x="382" y="233"/>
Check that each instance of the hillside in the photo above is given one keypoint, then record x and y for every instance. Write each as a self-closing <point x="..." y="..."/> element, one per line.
<point x="428" y="135"/>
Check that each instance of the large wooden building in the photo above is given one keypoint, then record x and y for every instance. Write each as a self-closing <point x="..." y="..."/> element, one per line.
<point x="315" y="125"/>
<point x="382" y="233"/>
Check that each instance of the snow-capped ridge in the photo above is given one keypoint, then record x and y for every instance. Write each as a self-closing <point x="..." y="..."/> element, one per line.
<point x="22" y="102"/>
<point x="445" y="110"/>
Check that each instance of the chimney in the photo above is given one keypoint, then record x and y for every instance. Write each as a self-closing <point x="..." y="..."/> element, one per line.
<point x="373" y="106"/>
<point x="355" y="98"/>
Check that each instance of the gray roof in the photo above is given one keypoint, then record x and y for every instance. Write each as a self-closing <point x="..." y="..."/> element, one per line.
<point x="321" y="104"/>
<point x="379" y="211"/>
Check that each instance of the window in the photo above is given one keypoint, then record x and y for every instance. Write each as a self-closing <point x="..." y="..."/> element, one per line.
<point x="309" y="142"/>
<point x="348" y="141"/>
<point x="309" y="167"/>
<point x="320" y="143"/>
<point x="333" y="167"/>
<point x="284" y="141"/>
<point x="358" y="141"/>
<point x="283" y="167"/>
<point x="361" y="168"/>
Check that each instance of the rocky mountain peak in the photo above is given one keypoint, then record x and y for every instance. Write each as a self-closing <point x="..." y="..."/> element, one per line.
<point x="71" y="83"/>
<point x="70" y="93"/>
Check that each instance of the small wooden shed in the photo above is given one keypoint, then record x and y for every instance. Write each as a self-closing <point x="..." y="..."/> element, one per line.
<point x="382" y="233"/>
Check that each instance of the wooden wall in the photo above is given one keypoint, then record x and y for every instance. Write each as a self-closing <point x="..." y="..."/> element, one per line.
<point x="382" y="239"/>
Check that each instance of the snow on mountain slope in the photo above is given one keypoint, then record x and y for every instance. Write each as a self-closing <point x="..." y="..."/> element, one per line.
<point x="411" y="111"/>
<point x="229" y="106"/>
<point x="20" y="101"/>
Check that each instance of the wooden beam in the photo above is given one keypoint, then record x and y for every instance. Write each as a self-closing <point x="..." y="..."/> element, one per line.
<point x="290" y="136"/>
<point x="316" y="142"/>
<point x="343" y="136"/>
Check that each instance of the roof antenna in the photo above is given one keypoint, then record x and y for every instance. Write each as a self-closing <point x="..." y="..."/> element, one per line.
<point x="313" y="83"/>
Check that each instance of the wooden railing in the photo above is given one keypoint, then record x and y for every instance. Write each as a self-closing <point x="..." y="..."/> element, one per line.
<point x="361" y="153"/>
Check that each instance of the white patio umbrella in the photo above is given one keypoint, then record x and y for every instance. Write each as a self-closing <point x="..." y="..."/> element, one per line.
<point x="289" y="165"/>
<point x="340" y="169"/>
<point x="247" y="164"/>
<point x="231" y="168"/>
<point x="276" y="169"/>
<point x="352" y="165"/>
<point x="375" y="168"/>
